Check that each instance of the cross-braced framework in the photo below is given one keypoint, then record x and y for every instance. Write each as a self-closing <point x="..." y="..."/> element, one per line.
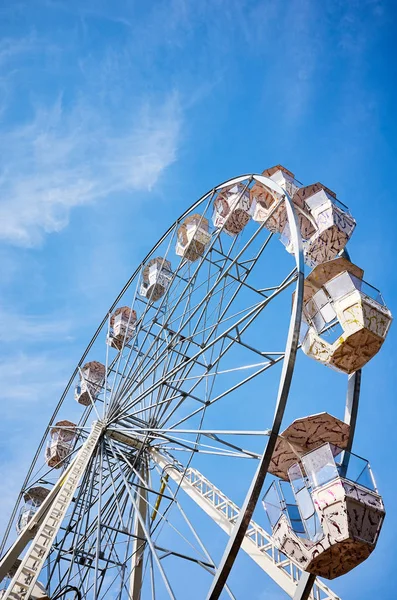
<point x="194" y="388"/>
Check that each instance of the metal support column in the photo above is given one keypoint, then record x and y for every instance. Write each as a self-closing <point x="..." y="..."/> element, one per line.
<point x="138" y="547"/>
<point x="351" y="408"/>
<point x="251" y="499"/>
<point x="304" y="586"/>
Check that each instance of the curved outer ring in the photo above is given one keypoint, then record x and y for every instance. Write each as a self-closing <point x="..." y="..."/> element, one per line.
<point x="257" y="482"/>
<point x="286" y="376"/>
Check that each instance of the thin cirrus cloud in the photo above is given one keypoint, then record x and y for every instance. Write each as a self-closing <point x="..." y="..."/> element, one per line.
<point x="62" y="160"/>
<point x="33" y="328"/>
<point x="22" y="380"/>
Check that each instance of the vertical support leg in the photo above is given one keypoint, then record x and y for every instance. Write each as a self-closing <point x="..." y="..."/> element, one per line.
<point x="138" y="546"/>
<point x="352" y="401"/>
<point x="307" y="580"/>
<point x="304" y="586"/>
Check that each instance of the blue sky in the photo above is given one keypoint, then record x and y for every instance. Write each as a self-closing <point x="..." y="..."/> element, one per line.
<point x="115" y="116"/>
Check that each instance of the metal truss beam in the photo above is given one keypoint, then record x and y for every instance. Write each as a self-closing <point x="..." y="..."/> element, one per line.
<point x="44" y="526"/>
<point x="257" y="543"/>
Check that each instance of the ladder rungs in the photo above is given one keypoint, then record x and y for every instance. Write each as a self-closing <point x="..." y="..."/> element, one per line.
<point x="29" y="570"/>
<point x="41" y="544"/>
<point x="20" y="584"/>
<point x="38" y="551"/>
<point x="48" y="534"/>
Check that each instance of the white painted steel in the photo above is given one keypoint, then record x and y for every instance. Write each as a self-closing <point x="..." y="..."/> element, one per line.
<point x="138" y="546"/>
<point x="257" y="543"/>
<point x="25" y="578"/>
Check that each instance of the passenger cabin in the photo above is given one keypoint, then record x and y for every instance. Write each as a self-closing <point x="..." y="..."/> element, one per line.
<point x="33" y="499"/>
<point x="60" y="444"/>
<point x="338" y="302"/>
<point x="325" y="511"/>
<point x="334" y="224"/>
<point x="264" y="200"/>
<point x="91" y="379"/>
<point x="232" y="209"/>
<point x="268" y="207"/>
<point x="193" y="237"/>
<point x="122" y="325"/>
<point x="156" y="277"/>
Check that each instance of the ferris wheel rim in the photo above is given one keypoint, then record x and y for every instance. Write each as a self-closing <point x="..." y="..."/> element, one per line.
<point x="253" y="493"/>
<point x="298" y="259"/>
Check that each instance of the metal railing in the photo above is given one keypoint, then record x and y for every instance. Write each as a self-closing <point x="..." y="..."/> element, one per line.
<point x="259" y="537"/>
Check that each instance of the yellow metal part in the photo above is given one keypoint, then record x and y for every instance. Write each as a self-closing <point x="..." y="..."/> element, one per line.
<point x="158" y="501"/>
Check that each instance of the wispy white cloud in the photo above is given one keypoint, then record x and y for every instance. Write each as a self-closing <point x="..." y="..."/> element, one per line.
<point x="29" y="378"/>
<point x="12" y="47"/>
<point x="63" y="159"/>
<point x="17" y="327"/>
<point x="29" y="383"/>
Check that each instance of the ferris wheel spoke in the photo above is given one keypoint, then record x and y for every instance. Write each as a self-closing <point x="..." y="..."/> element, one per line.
<point x="200" y="447"/>
<point x="184" y="356"/>
<point x="213" y="288"/>
<point x="187" y="393"/>
<point x="223" y="394"/>
<point x="199" y="343"/>
<point x="170" y="449"/>
<point x="167" y="551"/>
<point x="247" y="319"/>
<point x="147" y="534"/>
<point x="181" y="265"/>
<point x="198" y="362"/>
<point x="199" y="540"/>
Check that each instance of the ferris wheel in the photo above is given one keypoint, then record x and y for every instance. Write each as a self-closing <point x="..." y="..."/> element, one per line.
<point x="174" y="413"/>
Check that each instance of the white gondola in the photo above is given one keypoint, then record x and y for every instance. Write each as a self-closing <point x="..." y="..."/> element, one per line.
<point x="156" y="277"/>
<point x="232" y="209"/>
<point x="335" y="294"/>
<point x="193" y="237"/>
<point x="33" y="499"/>
<point x="60" y="445"/>
<point x="327" y="518"/>
<point x="122" y="325"/>
<point x="267" y="205"/>
<point x="331" y="228"/>
<point x="91" y="380"/>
